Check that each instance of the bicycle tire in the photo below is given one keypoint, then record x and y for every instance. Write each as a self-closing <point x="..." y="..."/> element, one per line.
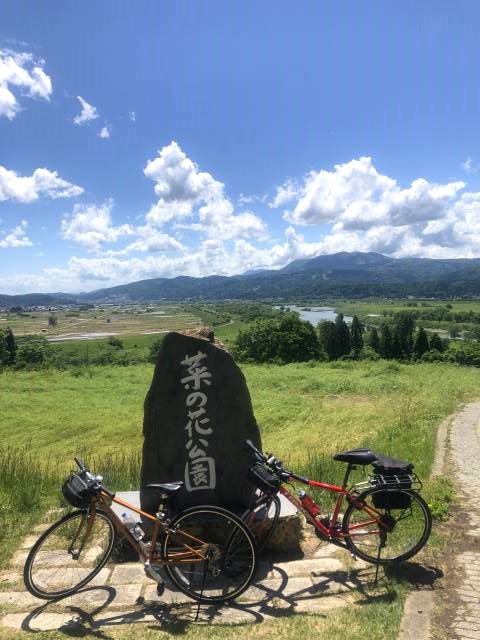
<point x="400" y="545"/>
<point x="234" y="558"/>
<point x="263" y="526"/>
<point x="50" y="556"/>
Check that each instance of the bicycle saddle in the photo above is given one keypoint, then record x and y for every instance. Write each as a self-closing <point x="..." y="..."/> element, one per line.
<point x="356" y="456"/>
<point x="169" y="487"/>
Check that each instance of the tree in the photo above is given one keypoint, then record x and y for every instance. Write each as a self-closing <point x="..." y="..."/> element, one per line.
<point x="32" y="352"/>
<point x="436" y="343"/>
<point x="421" y="345"/>
<point x="3" y="349"/>
<point x="154" y="349"/>
<point x="356" y="330"/>
<point x="397" y="351"/>
<point x="403" y="327"/>
<point x="453" y="331"/>
<point x="11" y="345"/>
<point x="287" y="339"/>
<point x="116" y="343"/>
<point x="343" y="336"/>
<point x="373" y="340"/>
<point x="297" y="340"/>
<point x="52" y="320"/>
<point x="386" y="342"/>
<point x="327" y="334"/>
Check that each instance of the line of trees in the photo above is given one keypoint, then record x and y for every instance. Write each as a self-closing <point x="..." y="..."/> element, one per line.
<point x="396" y="339"/>
<point x="289" y="339"/>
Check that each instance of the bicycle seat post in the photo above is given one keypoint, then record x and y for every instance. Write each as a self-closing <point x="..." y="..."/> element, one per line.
<point x="351" y="467"/>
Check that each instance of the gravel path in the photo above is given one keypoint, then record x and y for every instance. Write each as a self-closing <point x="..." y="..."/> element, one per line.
<point x="465" y="450"/>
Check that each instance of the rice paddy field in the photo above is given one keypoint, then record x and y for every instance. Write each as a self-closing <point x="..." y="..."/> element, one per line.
<point x="123" y="320"/>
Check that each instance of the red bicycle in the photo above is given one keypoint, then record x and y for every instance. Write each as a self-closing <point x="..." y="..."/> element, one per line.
<point x="385" y="520"/>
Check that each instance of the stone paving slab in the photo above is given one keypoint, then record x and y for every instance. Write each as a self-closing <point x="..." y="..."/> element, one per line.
<point x="46" y="620"/>
<point x="122" y="594"/>
<point x="297" y="568"/>
<point x="128" y="573"/>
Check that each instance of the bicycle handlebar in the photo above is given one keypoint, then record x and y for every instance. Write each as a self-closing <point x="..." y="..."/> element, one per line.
<point x="96" y="482"/>
<point x="80" y="464"/>
<point x="274" y="464"/>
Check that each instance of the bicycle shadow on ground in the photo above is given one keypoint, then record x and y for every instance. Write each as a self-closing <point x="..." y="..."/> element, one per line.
<point x="416" y="574"/>
<point x="280" y="595"/>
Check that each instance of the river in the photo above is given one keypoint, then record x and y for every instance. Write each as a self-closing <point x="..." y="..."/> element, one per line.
<point x="314" y="314"/>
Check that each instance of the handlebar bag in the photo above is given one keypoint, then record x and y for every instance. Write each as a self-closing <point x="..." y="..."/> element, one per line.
<point x="263" y="479"/>
<point x="76" y="491"/>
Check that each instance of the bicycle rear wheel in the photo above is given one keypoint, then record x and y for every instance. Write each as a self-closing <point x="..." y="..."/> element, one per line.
<point x="404" y="527"/>
<point x="219" y="562"/>
<point x="68" y="555"/>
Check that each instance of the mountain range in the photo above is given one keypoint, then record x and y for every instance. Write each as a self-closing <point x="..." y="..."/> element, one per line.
<point x="345" y="274"/>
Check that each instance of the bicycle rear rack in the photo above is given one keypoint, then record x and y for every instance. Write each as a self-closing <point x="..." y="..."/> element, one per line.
<point x="389" y="483"/>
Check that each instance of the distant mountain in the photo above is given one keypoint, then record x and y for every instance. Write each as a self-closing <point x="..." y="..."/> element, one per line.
<point x="36" y="300"/>
<point x="338" y="275"/>
<point x="342" y="261"/>
<point x="354" y="275"/>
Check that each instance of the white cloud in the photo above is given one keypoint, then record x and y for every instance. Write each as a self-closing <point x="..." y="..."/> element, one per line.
<point x="30" y="188"/>
<point x="163" y="212"/>
<point x="355" y="207"/>
<point x="251" y="199"/>
<point x="91" y="226"/>
<point x="325" y="195"/>
<point x="21" y="73"/>
<point x="177" y="177"/>
<point x="17" y="237"/>
<point x="104" y="132"/>
<point x="149" y="240"/>
<point x="195" y="200"/>
<point x="356" y="196"/>
<point x="284" y="193"/>
<point x="132" y="116"/>
<point x="88" y="112"/>
<point x="470" y="166"/>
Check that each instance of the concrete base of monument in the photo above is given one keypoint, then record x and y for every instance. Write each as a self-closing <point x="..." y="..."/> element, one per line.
<point x="133" y="497"/>
<point x="286" y="537"/>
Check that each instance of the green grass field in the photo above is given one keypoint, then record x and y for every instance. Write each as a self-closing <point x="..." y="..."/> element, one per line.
<point x="306" y="413"/>
<point x="299" y="407"/>
<point x="362" y="308"/>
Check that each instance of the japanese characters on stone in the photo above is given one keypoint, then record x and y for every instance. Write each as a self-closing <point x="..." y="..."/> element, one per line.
<point x="200" y="467"/>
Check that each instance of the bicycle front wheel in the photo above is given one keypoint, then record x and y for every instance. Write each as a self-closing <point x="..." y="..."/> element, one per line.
<point x="210" y="554"/>
<point x="392" y="526"/>
<point x="69" y="554"/>
<point x="262" y="519"/>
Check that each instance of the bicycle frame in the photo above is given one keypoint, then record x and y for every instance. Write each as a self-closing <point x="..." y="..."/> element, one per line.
<point x="333" y="532"/>
<point x="190" y="555"/>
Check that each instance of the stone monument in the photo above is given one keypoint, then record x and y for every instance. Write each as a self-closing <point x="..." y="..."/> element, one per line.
<point x="198" y="414"/>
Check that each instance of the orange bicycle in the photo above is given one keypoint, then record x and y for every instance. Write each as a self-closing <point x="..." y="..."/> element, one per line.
<point x="207" y="551"/>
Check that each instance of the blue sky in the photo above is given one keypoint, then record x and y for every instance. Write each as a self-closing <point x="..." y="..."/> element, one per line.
<point x="233" y="136"/>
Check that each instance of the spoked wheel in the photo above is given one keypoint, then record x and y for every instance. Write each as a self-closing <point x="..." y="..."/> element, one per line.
<point x="69" y="554"/>
<point x="403" y="529"/>
<point x="262" y="520"/>
<point x="211" y="555"/>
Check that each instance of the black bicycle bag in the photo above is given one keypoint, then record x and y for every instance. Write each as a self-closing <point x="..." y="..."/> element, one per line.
<point x="76" y="491"/>
<point x="392" y="475"/>
<point x="263" y="479"/>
